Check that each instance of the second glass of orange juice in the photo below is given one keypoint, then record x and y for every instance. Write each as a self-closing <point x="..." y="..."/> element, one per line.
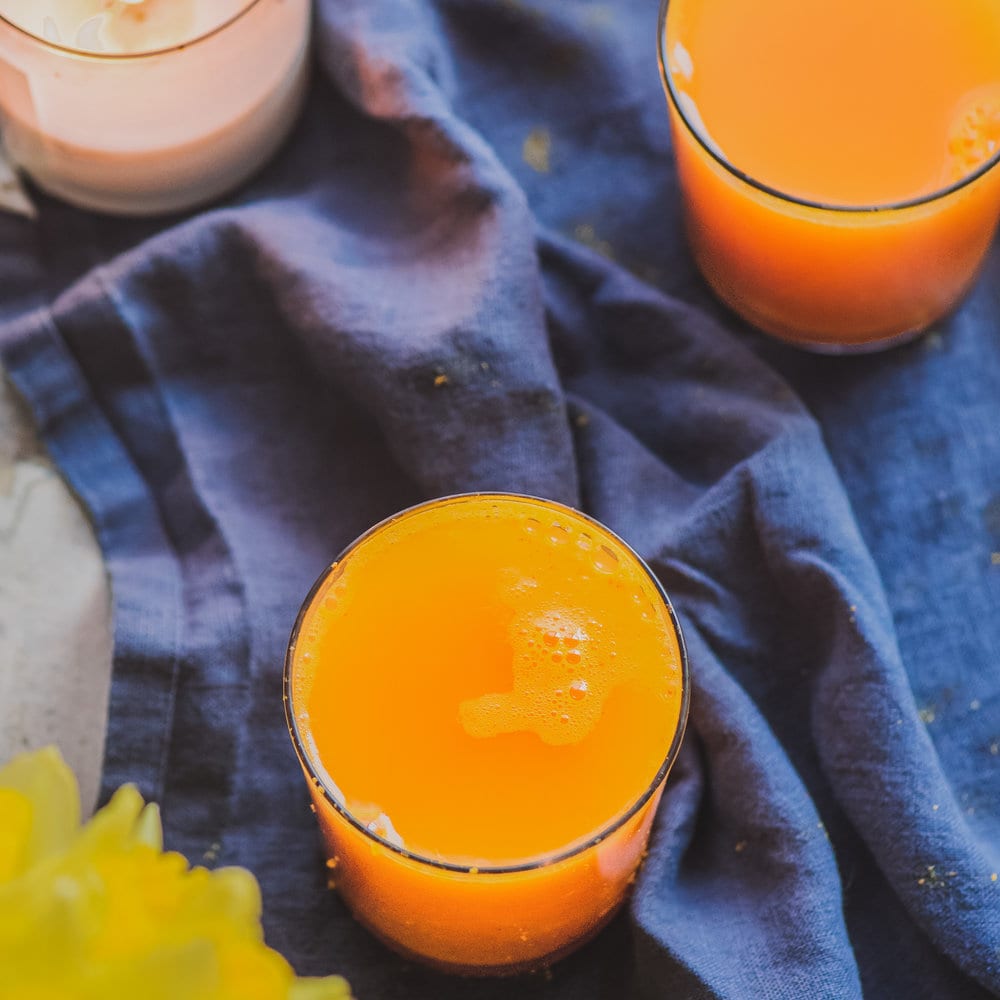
<point x="486" y="694"/>
<point x="836" y="158"/>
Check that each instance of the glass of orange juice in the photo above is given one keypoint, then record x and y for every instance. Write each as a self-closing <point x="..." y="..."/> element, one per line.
<point x="486" y="693"/>
<point x="837" y="159"/>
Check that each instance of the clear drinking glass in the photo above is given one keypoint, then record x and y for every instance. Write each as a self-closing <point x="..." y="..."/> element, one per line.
<point x="825" y="277"/>
<point x="480" y="919"/>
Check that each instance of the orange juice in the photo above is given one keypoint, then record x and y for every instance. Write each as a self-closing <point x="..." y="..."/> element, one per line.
<point x="835" y="157"/>
<point x="486" y="693"/>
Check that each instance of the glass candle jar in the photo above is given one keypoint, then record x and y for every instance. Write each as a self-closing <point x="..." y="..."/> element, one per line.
<point x="149" y="106"/>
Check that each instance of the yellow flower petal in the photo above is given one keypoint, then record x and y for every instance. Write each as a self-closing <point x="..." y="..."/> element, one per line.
<point x="16" y="816"/>
<point x="330" y="988"/>
<point x="50" y="787"/>
<point x="111" y="828"/>
<point x="148" y="830"/>
<point x="102" y="912"/>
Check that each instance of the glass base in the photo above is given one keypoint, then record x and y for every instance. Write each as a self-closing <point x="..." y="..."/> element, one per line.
<point x="502" y="971"/>
<point x="815" y="344"/>
<point x="863" y="347"/>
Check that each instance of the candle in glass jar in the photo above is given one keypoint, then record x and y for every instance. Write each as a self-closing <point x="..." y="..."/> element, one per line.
<point x="147" y="106"/>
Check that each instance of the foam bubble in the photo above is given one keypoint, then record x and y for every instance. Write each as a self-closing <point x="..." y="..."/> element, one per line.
<point x="564" y="662"/>
<point x="540" y="700"/>
<point x="606" y="560"/>
<point x="559" y="534"/>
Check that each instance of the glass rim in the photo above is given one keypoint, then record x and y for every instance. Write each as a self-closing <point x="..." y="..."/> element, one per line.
<point x="531" y="864"/>
<point x="71" y="50"/>
<point x="893" y="206"/>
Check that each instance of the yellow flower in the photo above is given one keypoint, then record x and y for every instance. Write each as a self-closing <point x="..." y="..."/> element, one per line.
<point x="100" y="912"/>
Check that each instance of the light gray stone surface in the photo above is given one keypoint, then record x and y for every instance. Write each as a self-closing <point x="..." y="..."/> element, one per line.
<point x="55" y="618"/>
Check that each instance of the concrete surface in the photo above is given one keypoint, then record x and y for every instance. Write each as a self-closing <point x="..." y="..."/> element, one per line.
<point x="55" y="619"/>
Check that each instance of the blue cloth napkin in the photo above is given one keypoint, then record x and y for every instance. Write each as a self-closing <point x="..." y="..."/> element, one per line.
<point x="483" y="190"/>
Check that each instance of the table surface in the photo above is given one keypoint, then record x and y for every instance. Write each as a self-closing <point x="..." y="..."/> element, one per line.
<point x="55" y="632"/>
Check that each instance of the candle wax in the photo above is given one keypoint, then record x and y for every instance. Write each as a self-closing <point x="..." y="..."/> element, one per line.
<point x="120" y="27"/>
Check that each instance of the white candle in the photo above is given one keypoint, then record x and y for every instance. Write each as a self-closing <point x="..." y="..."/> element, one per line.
<point x="147" y="106"/>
